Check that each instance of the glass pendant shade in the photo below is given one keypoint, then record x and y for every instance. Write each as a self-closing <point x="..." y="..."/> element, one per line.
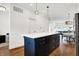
<point x="2" y="8"/>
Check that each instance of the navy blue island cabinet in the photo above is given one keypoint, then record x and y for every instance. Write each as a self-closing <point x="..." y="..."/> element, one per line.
<point x="41" y="46"/>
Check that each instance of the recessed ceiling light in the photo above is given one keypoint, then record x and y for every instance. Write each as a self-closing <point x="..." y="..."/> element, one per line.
<point x="2" y="8"/>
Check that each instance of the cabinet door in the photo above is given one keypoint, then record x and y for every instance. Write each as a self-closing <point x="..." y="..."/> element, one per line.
<point x="57" y="40"/>
<point x="54" y="41"/>
<point x="41" y="46"/>
<point x="29" y="46"/>
<point x="51" y="43"/>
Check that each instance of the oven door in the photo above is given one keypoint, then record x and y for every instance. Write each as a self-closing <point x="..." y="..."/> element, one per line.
<point x="2" y="38"/>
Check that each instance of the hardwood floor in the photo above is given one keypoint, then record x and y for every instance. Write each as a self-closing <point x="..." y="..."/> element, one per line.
<point x="4" y="51"/>
<point x="17" y="51"/>
<point x="63" y="50"/>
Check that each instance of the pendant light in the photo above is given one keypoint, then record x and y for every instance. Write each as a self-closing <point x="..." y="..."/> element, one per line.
<point x="50" y="26"/>
<point x="2" y="8"/>
<point x="69" y="22"/>
<point x="36" y="12"/>
<point x="48" y="12"/>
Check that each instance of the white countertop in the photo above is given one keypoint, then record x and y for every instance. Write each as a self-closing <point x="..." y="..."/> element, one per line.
<point x="36" y="35"/>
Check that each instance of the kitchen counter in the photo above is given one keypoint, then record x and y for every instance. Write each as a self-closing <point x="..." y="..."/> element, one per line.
<point x="37" y="35"/>
<point x="41" y="44"/>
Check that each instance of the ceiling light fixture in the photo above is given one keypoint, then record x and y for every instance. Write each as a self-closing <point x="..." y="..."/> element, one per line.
<point x="36" y="10"/>
<point x="2" y="8"/>
<point x="48" y="12"/>
<point x="69" y="22"/>
<point x="68" y="16"/>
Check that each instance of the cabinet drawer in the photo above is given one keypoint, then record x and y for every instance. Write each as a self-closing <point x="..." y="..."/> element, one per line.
<point x="42" y="43"/>
<point x="41" y="39"/>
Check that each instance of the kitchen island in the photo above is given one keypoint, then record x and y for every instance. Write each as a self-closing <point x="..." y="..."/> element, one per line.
<point x="41" y="44"/>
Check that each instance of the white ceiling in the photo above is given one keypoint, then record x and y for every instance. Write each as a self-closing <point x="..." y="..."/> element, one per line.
<point x="56" y="10"/>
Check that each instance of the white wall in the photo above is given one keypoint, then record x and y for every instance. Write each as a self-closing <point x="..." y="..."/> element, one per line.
<point x="21" y="24"/>
<point x="5" y="20"/>
<point x="78" y="9"/>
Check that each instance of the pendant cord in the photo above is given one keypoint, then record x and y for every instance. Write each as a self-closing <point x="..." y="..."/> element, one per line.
<point x="69" y="16"/>
<point x="47" y="12"/>
<point x="36" y="5"/>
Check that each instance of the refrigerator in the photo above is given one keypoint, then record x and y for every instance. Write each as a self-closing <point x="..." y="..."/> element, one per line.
<point x="77" y="33"/>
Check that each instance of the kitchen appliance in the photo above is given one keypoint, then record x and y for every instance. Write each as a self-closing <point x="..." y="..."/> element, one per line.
<point x="2" y="39"/>
<point x="77" y="32"/>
